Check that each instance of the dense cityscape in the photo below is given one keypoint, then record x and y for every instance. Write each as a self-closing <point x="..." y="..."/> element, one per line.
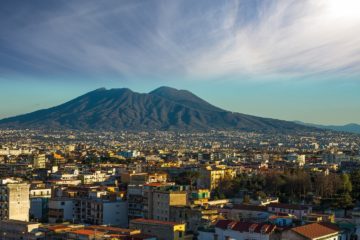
<point x="180" y="120"/>
<point x="179" y="185"/>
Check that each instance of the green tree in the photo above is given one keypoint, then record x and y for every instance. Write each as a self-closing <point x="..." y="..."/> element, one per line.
<point x="344" y="199"/>
<point x="355" y="182"/>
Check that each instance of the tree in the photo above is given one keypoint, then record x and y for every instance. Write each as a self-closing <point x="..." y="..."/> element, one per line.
<point x="355" y="182"/>
<point x="187" y="178"/>
<point x="344" y="199"/>
<point x="246" y="199"/>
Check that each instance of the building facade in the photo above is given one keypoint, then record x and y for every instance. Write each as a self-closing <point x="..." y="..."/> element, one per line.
<point x="14" y="200"/>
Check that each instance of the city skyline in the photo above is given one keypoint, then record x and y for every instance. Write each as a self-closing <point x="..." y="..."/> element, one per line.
<point x="290" y="60"/>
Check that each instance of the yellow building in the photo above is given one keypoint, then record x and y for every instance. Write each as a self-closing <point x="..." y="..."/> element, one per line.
<point x="211" y="176"/>
<point x="163" y="230"/>
<point x="39" y="161"/>
<point x="142" y="178"/>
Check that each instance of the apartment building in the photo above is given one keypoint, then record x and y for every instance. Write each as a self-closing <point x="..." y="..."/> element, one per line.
<point x="158" y="197"/>
<point x="14" y="200"/>
<point x="39" y="161"/>
<point x="164" y="199"/>
<point x="88" y="210"/>
<point x="135" y="201"/>
<point x="299" y="211"/>
<point x="211" y="176"/>
<point x="39" y="199"/>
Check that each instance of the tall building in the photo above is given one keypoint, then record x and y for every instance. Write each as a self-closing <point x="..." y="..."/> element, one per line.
<point x="157" y="199"/>
<point x="14" y="200"/>
<point x="135" y="201"/>
<point x="211" y="176"/>
<point x="39" y="161"/>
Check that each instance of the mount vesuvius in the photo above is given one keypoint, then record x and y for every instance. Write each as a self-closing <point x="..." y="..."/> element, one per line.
<point x="164" y="108"/>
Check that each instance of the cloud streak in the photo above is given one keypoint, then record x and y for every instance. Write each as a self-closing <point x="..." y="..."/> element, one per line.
<point x="191" y="39"/>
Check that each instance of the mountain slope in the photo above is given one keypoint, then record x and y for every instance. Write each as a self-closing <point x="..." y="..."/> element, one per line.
<point x="351" y="127"/>
<point x="162" y="109"/>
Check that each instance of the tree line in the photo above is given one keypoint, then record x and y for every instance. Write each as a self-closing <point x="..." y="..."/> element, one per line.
<point x="336" y="190"/>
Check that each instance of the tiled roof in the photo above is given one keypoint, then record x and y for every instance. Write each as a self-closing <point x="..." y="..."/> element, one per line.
<point x="155" y="184"/>
<point x="110" y="229"/>
<point x="246" y="226"/>
<point x="139" y="237"/>
<point x="288" y="206"/>
<point x="316" y="230"/>
<point x="86" y="232"/>
<point x="152" y="221"/>
<point x="223" y="224"/>
<point x="250" y="207"/>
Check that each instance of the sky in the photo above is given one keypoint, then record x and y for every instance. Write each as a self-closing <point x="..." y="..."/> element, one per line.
<point x="284" y="59"/>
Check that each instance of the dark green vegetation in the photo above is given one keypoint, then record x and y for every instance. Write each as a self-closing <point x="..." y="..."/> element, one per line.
<point x="162" y="109"/>
<point x="332" y="190"/>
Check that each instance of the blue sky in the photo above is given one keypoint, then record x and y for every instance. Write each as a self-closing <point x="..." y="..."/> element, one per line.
<point x="286" y="59"/>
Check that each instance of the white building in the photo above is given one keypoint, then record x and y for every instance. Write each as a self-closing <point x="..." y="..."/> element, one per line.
<point x="61" y="210"/>
<point x="95" y="177"/>
<point x="14" y="200"/>
<point x="89" y="210"/>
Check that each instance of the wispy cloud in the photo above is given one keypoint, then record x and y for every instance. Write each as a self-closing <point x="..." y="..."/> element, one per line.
<point x="194" y="39"/>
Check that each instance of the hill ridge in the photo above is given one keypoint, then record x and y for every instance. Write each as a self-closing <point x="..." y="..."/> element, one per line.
<point x="164" y="108"/>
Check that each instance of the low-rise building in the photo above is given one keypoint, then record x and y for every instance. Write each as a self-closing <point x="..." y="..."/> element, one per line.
<point x="292" y="209"/>
<point x="244" y="212"/>
<point x="234" y="230"/>
<point x="15" y="230"/>
<point x="163" y="230"/>
<point x="313" y="231"/>
<point x="194" y="217"/>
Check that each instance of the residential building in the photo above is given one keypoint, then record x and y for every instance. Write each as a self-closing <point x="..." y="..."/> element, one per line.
<point x="157" y="199"/>
<point x="39" y="161"/>
<point x="14" y="200"/>
<point x="88" y="210"/>
<point x="313" y="231"/>
<point x="163" y="230"/>
<point x="211" y="176"/>
<point x="39" y="200"/>
<point x="61" y="210"/>
<point x="194" y="217"/>
<point x="135" y="201"/>
<point x="244" y="212"/>
<point x="15" y="230"/>
<point x="95" y="177"/>
<point x="292" y="209"/>
<point x="234" y="230"/>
